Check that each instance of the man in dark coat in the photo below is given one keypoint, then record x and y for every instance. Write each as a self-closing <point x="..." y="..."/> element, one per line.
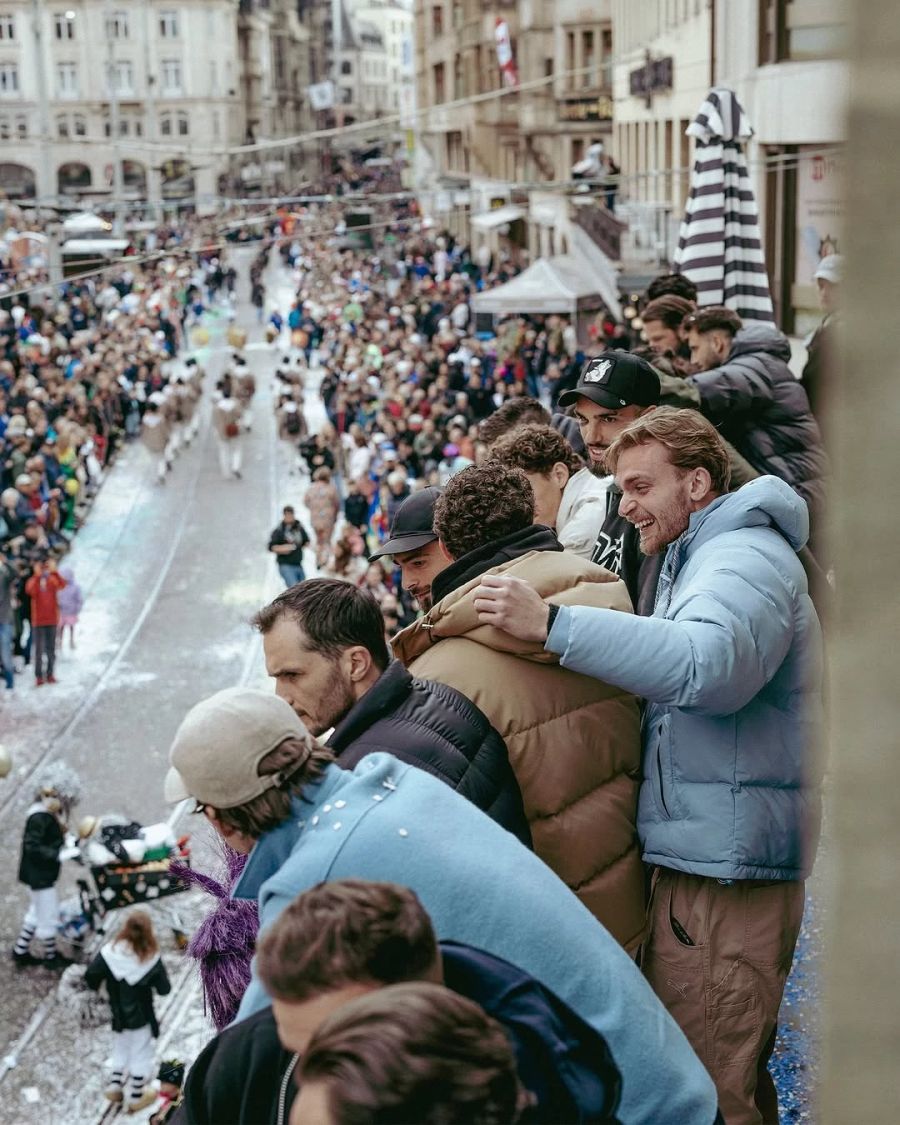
<point x="325" y="648"/>
<point x="822" y="345"/>
<point x="343" y="937"/>
<point x="287" y="542"/>
<point x="750" y="395"/>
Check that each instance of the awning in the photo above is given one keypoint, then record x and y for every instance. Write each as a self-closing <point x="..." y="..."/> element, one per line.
<point x="85" y="223"/>
<point x="549" y="285"/>
<point x="599" y="270"/>
<point x="490" y="220"/>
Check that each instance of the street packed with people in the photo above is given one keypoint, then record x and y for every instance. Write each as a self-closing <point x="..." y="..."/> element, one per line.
<point x="429" y="724"/>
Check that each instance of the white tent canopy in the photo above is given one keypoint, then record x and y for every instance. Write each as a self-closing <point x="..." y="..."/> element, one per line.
<point x="598" y="267"/>
<point x="567" y="284"/>
<point x="85" y="223"/>
<point x="549" y="285"/>
<point x="490" y="220"/>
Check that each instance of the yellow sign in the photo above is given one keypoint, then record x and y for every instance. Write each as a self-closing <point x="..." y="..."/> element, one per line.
<point x="588" y="109"/>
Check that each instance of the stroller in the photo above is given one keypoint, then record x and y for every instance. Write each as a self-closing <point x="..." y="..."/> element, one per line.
<point x="128" y="864"/>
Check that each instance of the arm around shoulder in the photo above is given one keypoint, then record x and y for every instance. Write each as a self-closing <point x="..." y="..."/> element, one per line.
<point x="725" y="641"/>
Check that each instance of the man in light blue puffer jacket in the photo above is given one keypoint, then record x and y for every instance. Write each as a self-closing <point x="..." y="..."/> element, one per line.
<point x="730" y="665"/>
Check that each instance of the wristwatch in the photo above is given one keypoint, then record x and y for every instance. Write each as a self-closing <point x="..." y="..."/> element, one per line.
<point x="551" y="617"/>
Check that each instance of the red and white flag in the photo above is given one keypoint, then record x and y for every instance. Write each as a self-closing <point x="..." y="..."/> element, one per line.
<point x="505" y="53"/>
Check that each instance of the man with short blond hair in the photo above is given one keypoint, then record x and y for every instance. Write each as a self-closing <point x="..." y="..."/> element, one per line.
<point x="730" y="665"/>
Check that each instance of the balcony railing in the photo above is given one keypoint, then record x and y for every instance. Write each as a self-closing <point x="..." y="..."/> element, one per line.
<point x="603" y="228"/>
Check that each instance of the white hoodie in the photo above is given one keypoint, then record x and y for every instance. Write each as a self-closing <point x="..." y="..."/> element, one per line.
<point x="123" y="963"/>
<point x="582" y="512"/>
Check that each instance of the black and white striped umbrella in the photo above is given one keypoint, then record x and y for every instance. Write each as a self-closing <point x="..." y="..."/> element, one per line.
<point x="719" y="246"/>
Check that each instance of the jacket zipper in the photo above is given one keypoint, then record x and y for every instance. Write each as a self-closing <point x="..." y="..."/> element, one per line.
<point x="662" y="799"/>
<point x="282" y="1093"/>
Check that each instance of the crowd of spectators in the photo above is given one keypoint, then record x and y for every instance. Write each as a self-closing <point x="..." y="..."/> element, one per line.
<point x="79" y="363"/>
<point x="408" y="377"/>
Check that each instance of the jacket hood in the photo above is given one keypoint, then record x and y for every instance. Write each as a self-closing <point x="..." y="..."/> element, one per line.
<point x="123" y="963"/>
<point x="761" y="338"/>
<point x="560" y="577"/>
<point x="498" y="551"/>
<point x="763" y="502"/>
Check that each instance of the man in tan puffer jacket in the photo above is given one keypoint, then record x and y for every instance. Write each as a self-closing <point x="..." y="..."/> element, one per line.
<point x="574" y="742"/>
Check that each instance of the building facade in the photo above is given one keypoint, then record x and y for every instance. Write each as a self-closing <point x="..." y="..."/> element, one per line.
<point x="364" y="72"/>
<point x="783" y="59"/>
<point x="85" y="83"/>
<point x="275" y="73"/>
<point x="790" y="73"/>
<point x="164" y="89"/>
<point x="512" y="154"/>
<point x="663" y="70"/>
<point x="394" y="24"/>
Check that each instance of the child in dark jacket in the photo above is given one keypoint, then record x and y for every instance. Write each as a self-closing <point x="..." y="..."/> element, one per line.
<point x="43" y="847"/>
<point x="132" y="970"/>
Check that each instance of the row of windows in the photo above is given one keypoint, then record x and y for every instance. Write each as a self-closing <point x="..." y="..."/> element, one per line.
<point x="374" y="68"/>
<point x="71" y="126"/>
<point x="170" y="125"/>
<point x="10" y="127"/>
<point x="75" y="125"/>
<point x="117" y="25"/>
<point x="120" y="79"/>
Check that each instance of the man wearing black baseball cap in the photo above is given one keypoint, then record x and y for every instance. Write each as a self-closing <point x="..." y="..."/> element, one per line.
<point x="613" y="390"/>
<point x="413" y="545"/>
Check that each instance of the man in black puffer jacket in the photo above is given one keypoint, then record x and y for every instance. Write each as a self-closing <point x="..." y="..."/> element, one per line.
<point x="325" y="648"/>
<point x="749" y="393"/>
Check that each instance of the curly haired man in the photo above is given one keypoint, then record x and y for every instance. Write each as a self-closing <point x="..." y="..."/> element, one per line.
<point x="574" y="744"/>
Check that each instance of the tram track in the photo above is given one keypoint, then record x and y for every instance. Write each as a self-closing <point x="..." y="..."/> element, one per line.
<point x="62" y="733"/>
<point x="185" y="988"/>
<point x="44" y="1009"/>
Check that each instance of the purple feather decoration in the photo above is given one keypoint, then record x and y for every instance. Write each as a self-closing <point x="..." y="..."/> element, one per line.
<point x="224" y="942"/>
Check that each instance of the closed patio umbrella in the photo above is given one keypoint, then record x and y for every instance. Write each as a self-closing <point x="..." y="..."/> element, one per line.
<point x="719" y="246"/>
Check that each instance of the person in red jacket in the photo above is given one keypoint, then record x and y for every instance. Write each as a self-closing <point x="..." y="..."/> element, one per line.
<point x="43" y="587"/>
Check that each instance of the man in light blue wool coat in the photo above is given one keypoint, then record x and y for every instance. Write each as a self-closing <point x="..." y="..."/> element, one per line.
<point x="272" y="793"/>
<point x="730" y="666"/>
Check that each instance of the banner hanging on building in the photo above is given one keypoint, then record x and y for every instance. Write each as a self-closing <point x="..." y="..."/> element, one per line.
<point x="505" y="53"/>
<point x="321" y="95"/>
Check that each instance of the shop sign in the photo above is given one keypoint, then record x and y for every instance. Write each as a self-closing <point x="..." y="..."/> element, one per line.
<point x="652" y="78"/>
<point x="587" y="109"/>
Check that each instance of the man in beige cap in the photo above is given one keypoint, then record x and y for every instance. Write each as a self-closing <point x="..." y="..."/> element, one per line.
<point x="241" y="754"/>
